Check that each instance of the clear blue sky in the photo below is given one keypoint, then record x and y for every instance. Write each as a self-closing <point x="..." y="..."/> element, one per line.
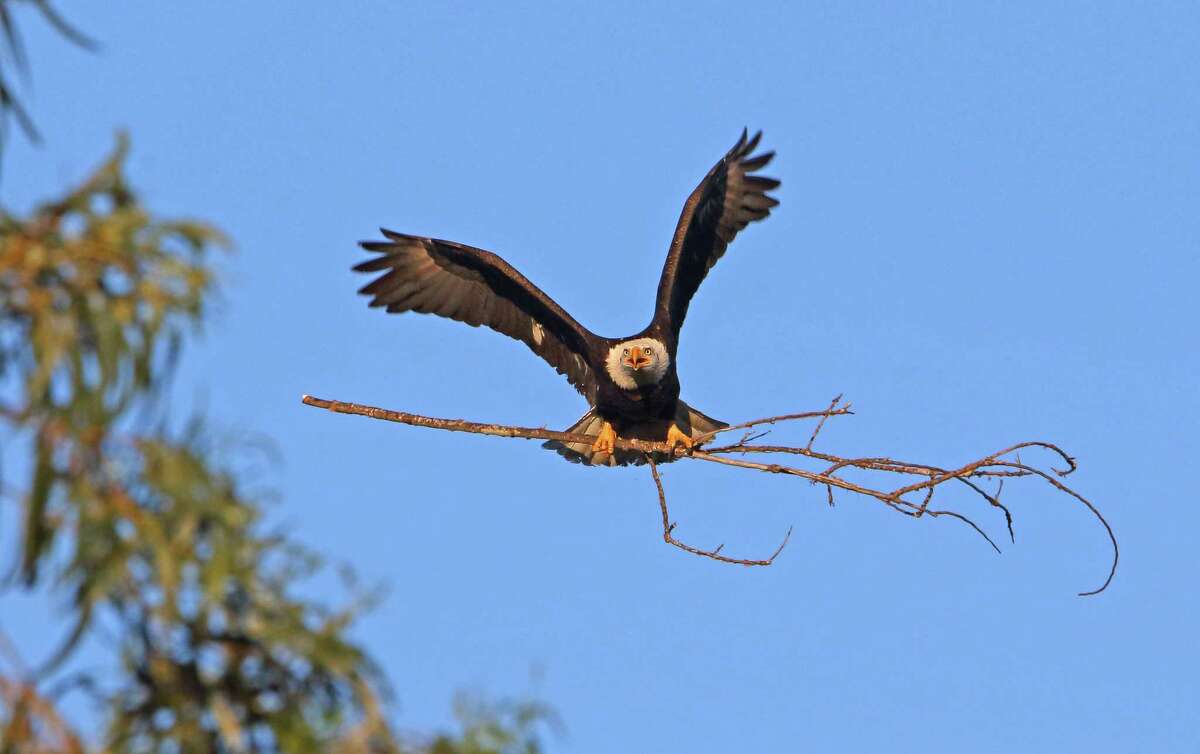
<point x="989" y="232"/>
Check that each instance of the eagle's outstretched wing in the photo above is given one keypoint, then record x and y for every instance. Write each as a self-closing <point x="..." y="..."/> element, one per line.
<point x="726" y="200"/>
<point x="477" y="287"/>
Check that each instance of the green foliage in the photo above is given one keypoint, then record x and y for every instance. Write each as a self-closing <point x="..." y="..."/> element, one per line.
<point x="495" y="728"/>
<point x="95" y="298"/>
<point x="220" y="652"/>
<point x="155" y="542"/>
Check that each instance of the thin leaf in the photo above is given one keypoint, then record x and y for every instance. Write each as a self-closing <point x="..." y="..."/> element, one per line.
<point x="67" y="30"/>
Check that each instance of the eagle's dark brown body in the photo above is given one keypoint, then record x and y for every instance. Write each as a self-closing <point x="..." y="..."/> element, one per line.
<point x="631" y="384"/>
<point x="649" y="403"/>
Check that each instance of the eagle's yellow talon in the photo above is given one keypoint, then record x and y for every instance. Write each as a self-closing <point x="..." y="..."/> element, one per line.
<point x="675" y="438"/>
<point x="606" y="441"/>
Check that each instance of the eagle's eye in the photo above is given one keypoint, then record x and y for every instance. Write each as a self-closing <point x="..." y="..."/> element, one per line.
<point x="648" y="351"/>
<point x="625" y="352"/>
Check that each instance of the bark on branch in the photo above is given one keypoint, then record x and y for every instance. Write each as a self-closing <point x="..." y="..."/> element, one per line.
<point x="917" y="482"/>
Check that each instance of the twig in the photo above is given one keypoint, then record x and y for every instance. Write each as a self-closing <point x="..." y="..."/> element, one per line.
<point x="843" y="411"/>
<point x="42" y="728"/>
<point x="479" y="428"/>
<point x="968" y="522"/>
<point x="929" y="478"/>
<point x="714" y="553"/>
<point x="817" y="429"/>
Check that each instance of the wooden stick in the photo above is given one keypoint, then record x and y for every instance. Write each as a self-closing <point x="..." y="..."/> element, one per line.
<point x="929" y="477"/>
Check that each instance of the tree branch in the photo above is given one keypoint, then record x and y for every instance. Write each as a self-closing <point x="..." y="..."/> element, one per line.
<point x="1003" y="464"/>
<point x="479" y="428"/>
<point x="715" y="553"/>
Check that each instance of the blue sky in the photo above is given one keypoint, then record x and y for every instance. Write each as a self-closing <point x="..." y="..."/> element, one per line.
<point x="988" y="233"/>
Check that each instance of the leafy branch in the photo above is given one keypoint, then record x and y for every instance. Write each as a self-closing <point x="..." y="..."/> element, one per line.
<point x="157" y="543"/>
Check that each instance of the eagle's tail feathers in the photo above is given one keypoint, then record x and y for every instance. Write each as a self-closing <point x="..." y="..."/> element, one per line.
<point x="688" y="419"/>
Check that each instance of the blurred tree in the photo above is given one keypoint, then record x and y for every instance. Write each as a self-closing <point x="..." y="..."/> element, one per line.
<point x="151" y="536"/>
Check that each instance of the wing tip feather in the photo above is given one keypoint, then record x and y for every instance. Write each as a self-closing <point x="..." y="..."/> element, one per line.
<point x="751" y="145"/>
<point x="757" y="162"/>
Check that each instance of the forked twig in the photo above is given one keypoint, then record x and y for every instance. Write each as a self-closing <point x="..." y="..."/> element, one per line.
<point x="1001" y="465"/>
<point x="817" y="429"/>
<point x="715" y="553"/>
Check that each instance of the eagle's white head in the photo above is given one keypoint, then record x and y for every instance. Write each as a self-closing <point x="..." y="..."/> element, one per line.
<point x="637" y="363"/>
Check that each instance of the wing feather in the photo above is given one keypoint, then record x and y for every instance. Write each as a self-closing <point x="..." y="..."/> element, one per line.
<point x="470" y="285"/>
<point x="726" y="201"/>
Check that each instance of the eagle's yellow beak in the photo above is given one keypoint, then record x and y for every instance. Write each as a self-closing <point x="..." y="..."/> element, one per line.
<point x="637" y="358"/>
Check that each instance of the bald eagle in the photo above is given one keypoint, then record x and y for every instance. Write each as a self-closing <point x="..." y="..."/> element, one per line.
<point x="631" y="384"/>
